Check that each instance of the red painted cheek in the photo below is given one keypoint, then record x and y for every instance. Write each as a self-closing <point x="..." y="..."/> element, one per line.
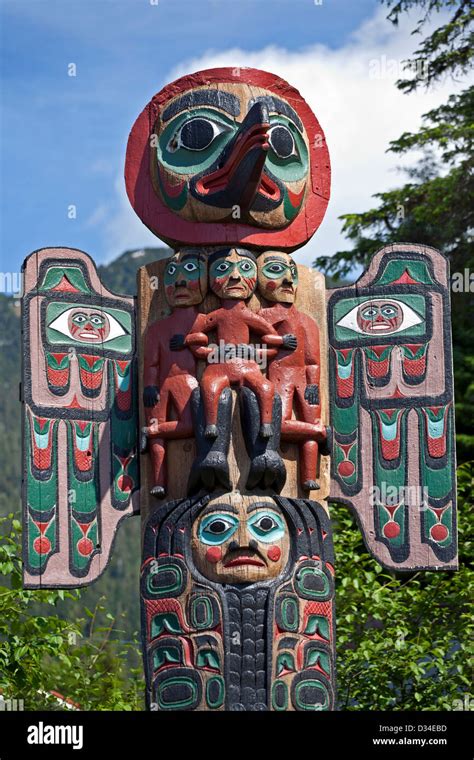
<point x="214" y="554"/>
<point x="271" y="286"/>
<point x="169" y="290"/>
<point x="274" y="553"/>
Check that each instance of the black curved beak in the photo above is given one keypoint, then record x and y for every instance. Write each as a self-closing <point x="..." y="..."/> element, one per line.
<point x="235" y="178"/>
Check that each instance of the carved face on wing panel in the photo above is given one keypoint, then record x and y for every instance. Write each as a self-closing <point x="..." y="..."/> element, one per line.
<point x="87" y="325"/>
<point x="381" y="316"/>
<point x="185" y="278"/>
<point x="222" y="154"/>
<point x="277" y="277"/>
<point x="240" y="541"/>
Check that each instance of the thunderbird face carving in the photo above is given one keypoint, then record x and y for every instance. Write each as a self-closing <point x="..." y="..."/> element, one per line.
<point x="228" y="155"/>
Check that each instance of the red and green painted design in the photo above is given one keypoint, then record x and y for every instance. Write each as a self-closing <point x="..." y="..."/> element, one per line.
<point x="345" y="372"/>
<point x="58" y="368"/>
<point x="91" y="374"/>
<point x="346" y="463"/>
<point x="378" y="363"/>
<point x="83" y="494"/>
<point x="400" y="479"/>
<point x="123" y="432"/>
<point x="41" y="492"/>
<point x="405" y="271"/>
<point x="414" y="358"/>
<point x="64" y="279"/>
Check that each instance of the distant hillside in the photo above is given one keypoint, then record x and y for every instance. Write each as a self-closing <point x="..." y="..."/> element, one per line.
<point x="120" y="275"/>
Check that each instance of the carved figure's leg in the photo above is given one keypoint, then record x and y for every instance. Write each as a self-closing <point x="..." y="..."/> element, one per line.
<point x="157" y="454"/>
<point x="180" y="396"/>
<point x="267" y="469"/>
<point x="265" y="393"/>
<point x="215" y="378"/>
<point x="155" y="417"/>
<point x="211" y="468"/>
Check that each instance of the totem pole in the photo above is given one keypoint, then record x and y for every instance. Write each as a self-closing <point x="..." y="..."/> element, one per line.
<point x="246" y="392"/>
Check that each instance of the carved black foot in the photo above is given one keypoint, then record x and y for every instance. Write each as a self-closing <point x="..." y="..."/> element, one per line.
<point x="157" y="491"/>
<point x="311" y="485"/>
<point x="325" y="448"/>
<point x="267" y="469"/>
<point x="210" y="469"/>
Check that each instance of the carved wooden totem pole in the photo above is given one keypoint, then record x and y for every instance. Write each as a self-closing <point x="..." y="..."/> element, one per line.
<point x="248" y="392"/>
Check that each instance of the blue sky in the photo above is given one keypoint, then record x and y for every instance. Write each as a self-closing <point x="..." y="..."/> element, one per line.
<point x="63" y="138"/>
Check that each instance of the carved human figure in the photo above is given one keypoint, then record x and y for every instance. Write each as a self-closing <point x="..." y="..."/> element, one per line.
<point x="233" y="278"/>
<point x="295" y="374"/>
<point x="169" y="377"/>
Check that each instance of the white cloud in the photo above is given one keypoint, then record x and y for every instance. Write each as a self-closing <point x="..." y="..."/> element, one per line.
<point x="123" y="230"/>
<point x="351" y="90"/>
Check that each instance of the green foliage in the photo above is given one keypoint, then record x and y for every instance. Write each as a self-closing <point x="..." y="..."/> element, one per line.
<point x="84" y="660"/>
<point x="435" y="207"/>
<point x="448" y="49"/>
<point x="403" y="639"/>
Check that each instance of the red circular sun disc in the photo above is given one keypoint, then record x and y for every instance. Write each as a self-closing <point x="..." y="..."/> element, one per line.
<point x="175" y="231"/>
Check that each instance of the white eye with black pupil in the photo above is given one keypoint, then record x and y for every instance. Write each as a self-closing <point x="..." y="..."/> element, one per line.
<point x="217" y="526"/>
<point x="282" y="141"/>
<point x="246" y="266"/>
<point x="266" y="524"/>
<point x="196" y="134"/>
<point x="190" y="267"/>
<point x="171" y="269"/>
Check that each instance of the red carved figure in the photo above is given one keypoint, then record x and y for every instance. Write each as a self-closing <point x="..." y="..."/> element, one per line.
<point x="233" y="277"/>
<point x="295" y="374"/>
<point x="169" y="377"/>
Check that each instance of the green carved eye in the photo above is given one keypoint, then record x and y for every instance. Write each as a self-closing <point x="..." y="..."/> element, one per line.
<point x="196" y="134"/>
<point x="193" y="140"/>
<point x="220" y="268"/>
<point x="79" y="319"/>
<point x="282" y="141"/>
<point x="247" y="267"/>
<point x="217" y="528"/>
<point x="274" y="270"/>
<point x="370" y="312"/>
<point x="389" y="311"/>
<point x="190" y="267"/>
<point x="97" y="320"/>
<point x="288" y="154"/>
<point x="267" y="526"/>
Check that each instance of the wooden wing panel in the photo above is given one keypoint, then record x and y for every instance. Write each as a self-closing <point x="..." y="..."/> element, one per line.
<point x="79" y="391"/>
<point x="392" y="410"/>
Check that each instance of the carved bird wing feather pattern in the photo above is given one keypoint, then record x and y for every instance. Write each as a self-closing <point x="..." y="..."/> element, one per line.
<point x="80" y="419"/>
<point x="392" y="407"/>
